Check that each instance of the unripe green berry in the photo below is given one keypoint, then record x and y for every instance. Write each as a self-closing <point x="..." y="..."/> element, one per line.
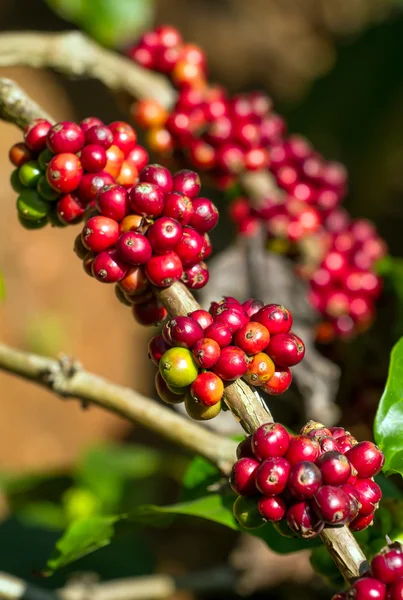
<point x="179" y="391"/>
<point x="165" y="393"/>
<point x="198" y="411"/>
<point x="177" y="367"/>
<point x="44" y="158"/>
<point x="29" y="224"/>
<point x="30" y="173"/>
<point x="31" y="206"/>
<point x="15" y="182"/>
<point x="246" y="513"/>
<point x="45" y="191"/>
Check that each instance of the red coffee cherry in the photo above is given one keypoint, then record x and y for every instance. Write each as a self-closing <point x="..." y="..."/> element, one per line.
<point x="346" y="442"/>
<point x="272" y="508"/>
<point x="89" y="122"/>
<point x="70" y="209"/>
<point x="35" y="134"/>
<point x="146" y="199"/>
<point x="301" y="519"/>
<point x="124" y="136"/>
<point x="107" y="267"/>
<point x="369" y="496"/>
<point x="368" y="588"/>
<point x="157" y="346"/>
<point x="260" y="370"/>
<point x="207" y="389"/>
<point x="157" y="175"/>
<point x="335" y="468"/>
<point x="196" y="276"/>
<point x="332" y="505"/>
<point x="99" y="135"/>
<point x="242" y="478"/>
<point x="387" y="566"/>
<point x="135" y="283"/>
<point x="164" y="235"/>
<point x="64" y="172"/>
<point x="202" y="317"/>
<point x="232" y="316"/>
<point x="206" y="352"/>
<point x="207" y="248"/>
<point x="252" y="306"/>
<point x="133" y="248"/>
<point x="302" y="448"/>
<point x="178" y="207"/>
<point x="231" y="364"/>
<point x="275" y="317"/>
<point x="189" y="247"/>
<point x="184" y="332"/>
<point x="138" y="156"/>
<point x="112" y="202"/>
<point x="163" y="270"/>
<point x="149" y="313"/>
<point x="65" y="137"/>
<point x="355" y="504"/>
<point x="361" y="522"/>
<point x="304" y="480"/>
<point x="367" y="459"/>
<point x="220" y="333"/>
<point x="205" y="216"/>
<point x="395" y="591"/>
<point x="100" y="233"/>
<point x="272" y="476"/>
<point x="279" y="383"/>
<point x="93" y="158"/>
<point x="252" y="337"/>
<point x="269" y="440"/>
<point x="286" y="349"/>
<point x="244" y="448"/>
<point x="91" y="184"/>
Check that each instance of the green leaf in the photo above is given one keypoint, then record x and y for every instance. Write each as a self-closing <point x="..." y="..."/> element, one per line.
<point x="81" y="538"/>
<point x="391" y="270"/>
<point x="110" y="22"/>
<point x="389" y="417"/>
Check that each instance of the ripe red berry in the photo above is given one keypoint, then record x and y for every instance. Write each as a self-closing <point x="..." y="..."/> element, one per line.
<point x="124" y="136"/>
<point x="163" y="270"/>
<point x="279" y="383"/>
<point x="100" y="135"/>
<point x="395" y="591"/>
<point x="387" y="566"/>
<point x="135" y="283"/>
<point x="158" y="175"/>
<point x="100" y="233"/>
<point x="302" y="448"/>
<point x="337" y="432"/>
<point x="361" y="522"/>
<point x="269" y="440"/>
<point x="138" y="156"/>
<point x="184" y="332"/>
<point x="346" y="442"/>
<point x="286" y="349"/>
<point x="112" y="202"/>
<point x="196" y="276"/>
<point x="242" y="478"/>
<point x="107" y="267"/>
<point x="65" y="137"/>
<point x="369" y="494"/>
<point x="64" y="172"/>
<point x="164" y="235"/>
<point x="207" y="247"/>
<point x="301" y="519"/>
<point x="35" y="134"/>
<point x="332" y="505"/>
<point x="275" y="317"/>
<point x="93" y="158"/>
<point x="89" y="122"/>
<point x="232" y="316"/>
<point x="272" y="508"/>
<point x="327" y="444"/>
<point x="220" y="333"/>
<point x="252" y="306"/>
<point x="178" y="207"/>
<point x="353" y="495"/>
<point x="206" y="352"/>
<point x="134" y="248"/>
<point x="157" y="346"/>
<point x="186" y="182"/>
<point x="272" y="476"/>
<point x="207" y="389"/>
<point x="244" y="448"/>
<point x="146" y="199"/>
<point x="189" y="247"/>
<point x="91" y="183"/>
<point x="231" y="364"/>
<point x="205" y="216"/>
<point x="304" y="480"/>
<point x="260" y="370"/>
<point x="367" y="459"/>
<point x="202" y="317"/>
<point x="70" y="209"/>
<point x="252" y="337"/>
<point x="368" y="588"/>
<point x="335" y="468"/>
<point x="149" y="313"/>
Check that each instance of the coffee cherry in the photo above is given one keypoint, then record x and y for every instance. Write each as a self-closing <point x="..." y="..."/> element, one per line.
<point x="335" y="468"/>
<point x="252" y="337"/>
<point x="302" y="448"/>
<point x="368" y="588"/>
<point x="149" y="113"/>
<point x="232" y="316"/>
<point x="135" y="223"/>
<point x="189" y="247"/>
<point x="205" y="216"/>
<point x="301" y="519"/>
<point x="207" y="248"/>
<point x="206" y="352"/>
<point x="184" y="332"/>
<point x="122" y="298"/>
<point x="100" y="233"/>
<point x="346" y="442"/>
<point x="242" y="478"/>
<point x="164" y="235"/>
<point x="202" y="317"/>
<point x="275" y="317"/>
<point x="269" y="440"/>
<point x="15" y="182"/>
<point x="187" y="183"/>
<point x="354" y="498"/>
<point x="31" y="207"/>
<point x="93" y="158"/>
<point x="198" y="411"/>
<point x="304" y="480"/>
<point x="124" y="136"/>
<point x="149" y="313"/>
<point x="44" y="190"/>
<point x="165" y="393"/>
<point x="107" y="267"/>
<point x="196" y="276"/>
<point x="231" y="364"/>
<point x="65" y="137"/>
<point x="367" y="459"/>
<point x="20" y="154"/>
<point x="114" y="161"/>
<point x="286" y="349"/>
<point x="369" y="494"/>
<point x="207" y="389"/>
<point x="89" y="122"/>
<point x="146" y="199"/>
<point x="252" y="306"/>
<point x="246" y="513"/>
<point x="112" y="201"/>
<point x="361" y="522"/>
<point x="395" y="591"/>
<point x="35" y="134"/>
<point x="157" y="346"/>
<point x="163" y="270"/>
<point x="138" y="156"/>
<point x="260" y="370"/>
<point x="133" y="248"/>
<point x="70" y="209"/>
<point x="157" y="175"/>
<point x="178" y="367"/>
<point x="244" y="448"/>
<point x="64" y="172"/>
<point x="99" y="135"/>
<point x="135" y="282"/>
<point x="272" y="476"/>
<point x="387" y="566"/>
<point x="279" y="383"/>
<point x="179" y="207"/>
<point x="272" y="508"/>
<point x="332" y="505"/>
<point x="91" y="184"/>
<point x="220" y="333"/>
<point x="30" y="173"/>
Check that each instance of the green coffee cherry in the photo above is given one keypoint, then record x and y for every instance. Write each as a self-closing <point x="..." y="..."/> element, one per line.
<point x="30" y="173"/>
<point x="15" y="181"/>
<point x="45" y="191"/>
<point x="284" y="530"/>
<point x="44" y="158"/>
<point x="246" y="513"/>
<point x="27" y="224"/>
<point x="53" y="217"/>
<point x="177" y="367"/>
<point x="197" y="411"/>
<point x="31" y="206"/>
<point x="180" y="391"/>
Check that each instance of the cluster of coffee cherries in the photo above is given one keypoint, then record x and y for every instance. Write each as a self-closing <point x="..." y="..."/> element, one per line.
<point x="321" y="477"/>
<point x="384" y="579"/>
<point x="198" y="354"/>
<point x="61" y="168"/>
